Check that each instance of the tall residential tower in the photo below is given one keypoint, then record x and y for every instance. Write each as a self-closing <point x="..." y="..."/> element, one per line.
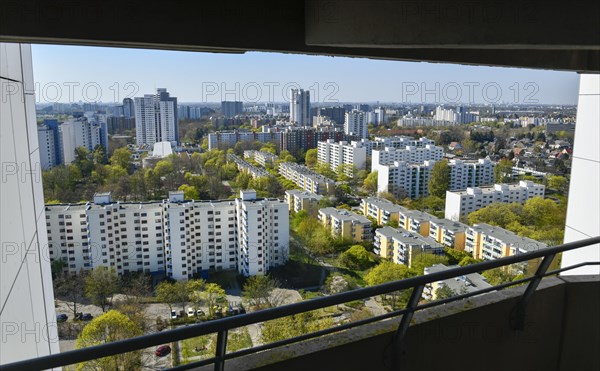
<point x="156" y="118"/>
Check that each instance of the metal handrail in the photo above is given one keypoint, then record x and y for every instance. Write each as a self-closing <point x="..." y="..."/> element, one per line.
<point x="225" y="324"/>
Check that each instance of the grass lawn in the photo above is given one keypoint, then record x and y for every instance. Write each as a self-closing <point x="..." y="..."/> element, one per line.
<point x="238" y="339"/>
<point x="202" y="346"/>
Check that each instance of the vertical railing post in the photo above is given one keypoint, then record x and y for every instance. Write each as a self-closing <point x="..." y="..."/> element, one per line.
<point x="220" y="350"/>
<point x="517" y="318"/>
<point x="398" y="344"/>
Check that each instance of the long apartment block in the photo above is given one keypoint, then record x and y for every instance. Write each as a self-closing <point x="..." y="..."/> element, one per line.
<point x="335" y="154"/>
<point x="307" y="179"/>
<point x="264" y="159"/>
<point x="412" y="154"/>
<point x="302" y="200"/>
<point x="346" y="224"/>
<point x="405" y="179"/>
<point x="243" y="165"/>
<point x="460" y="203"/>
<point x="489" y="242"/>
<point x="176" y="237"/>
<point x="446" y="232"/>
<point x="401" y="246"/>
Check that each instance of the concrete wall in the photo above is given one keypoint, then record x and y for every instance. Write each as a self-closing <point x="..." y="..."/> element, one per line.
<point x="562" y="332"/>
<point x="583" y="211"/>
<point x="27" y="317"/>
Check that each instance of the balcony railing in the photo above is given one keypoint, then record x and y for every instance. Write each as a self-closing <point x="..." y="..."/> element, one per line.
<point x="417" y="284"/>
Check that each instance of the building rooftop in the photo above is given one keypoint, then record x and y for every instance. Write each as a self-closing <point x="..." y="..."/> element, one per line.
<point x="303" y="194"/>
<point x="408" y="238"/>
<point x="450" y="225"/>
<point x="462" y="284"/>
<point x="342" y="214"/>
<point x="499" y="187"/>
<point x="384" y="204"/>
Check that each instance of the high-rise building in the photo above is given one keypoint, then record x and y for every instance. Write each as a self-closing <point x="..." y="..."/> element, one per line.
<point x="232" y="108"/>
<point x="176" y="237"/>
<point x="156" y="118"/>
<point x="300" y="107"/>
<point x="342" y="153"/>
<point x="128" y="107"/>
<point x="355" y="123"/>
<point x="50" y="142"/>
<point x="336" y="114"/>
<point x="81" y="132"/>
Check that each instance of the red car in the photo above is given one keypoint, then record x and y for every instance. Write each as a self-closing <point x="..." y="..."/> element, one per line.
<point x="162" y="350"/>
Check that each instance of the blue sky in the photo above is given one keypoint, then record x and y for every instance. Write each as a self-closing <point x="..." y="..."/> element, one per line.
<point x="72" y="73"/>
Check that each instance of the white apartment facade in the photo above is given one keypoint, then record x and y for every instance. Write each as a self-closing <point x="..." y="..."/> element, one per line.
<point x="402" y="178"/>
<point x="300" y="107"/>
<point x="414" y="154"/>
<point x="465" y="174"/>
<point x="355" y="123"/>
<point x="80" y="133"/>
<point x="263" y="233"/>
<point x="460" y="203"/>
<point x="175" y="237"/>
<point x="342" y="153"/>
<point x="156" y="118"/>
<point x="48" y="147"/>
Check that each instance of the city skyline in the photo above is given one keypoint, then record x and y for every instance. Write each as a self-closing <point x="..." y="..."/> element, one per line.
<point x="63" y="73"/>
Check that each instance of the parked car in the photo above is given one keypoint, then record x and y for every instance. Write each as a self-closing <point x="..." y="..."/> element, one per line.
<point x="191" y="312"/>
<point x="200" y="312"/>
<point x="87" y="317"/>
<point x="173" y="314"/>
<point x="62" y="318"/>
<point x="162" y="350"/>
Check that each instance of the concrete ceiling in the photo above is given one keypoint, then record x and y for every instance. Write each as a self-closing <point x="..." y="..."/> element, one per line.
<point x="532" y="34"/>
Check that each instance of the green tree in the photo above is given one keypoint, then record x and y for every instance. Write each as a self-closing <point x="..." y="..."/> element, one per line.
<point x="498" y="276"/>
<point x="558" y="183"/>
<point x="165" y="293"/>
<point x="99" y="156"/>
<point x="498" y="214"/>
<point x="195" y="288"/>
<point x="110" y="326"/>
<point x="370" y="183"/>
<point x="121" y="157"/>
<point x="259" y="292"/>
<point x="83" y="161"/>
<point x="356" y="257"/>
<point x="324" y="169"/>
<point x="70" y="287"/>
<point x="213" y="295"/>
<point x="310" y="159"/>
<point x="421" y="261"/>
<point x="503" y="170"/>
<point x="439" y="182"/>
<point x="444" y="292"/>
<point x="269" y="147"/>
<point x="189" y="192"/>
<point x="100" y="285"/>
<point x="388" y="271"/>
